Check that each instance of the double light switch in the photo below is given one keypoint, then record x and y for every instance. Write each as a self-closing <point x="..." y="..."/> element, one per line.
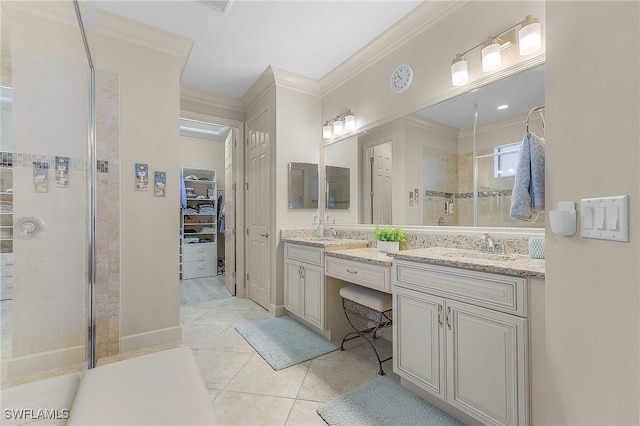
<point x="605" y="218"/>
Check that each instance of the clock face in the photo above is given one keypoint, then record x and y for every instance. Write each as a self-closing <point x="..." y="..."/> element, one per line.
<point x="401" y="78"/>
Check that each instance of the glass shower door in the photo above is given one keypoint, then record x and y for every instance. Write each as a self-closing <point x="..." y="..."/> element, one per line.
<point x="45" y="299"/>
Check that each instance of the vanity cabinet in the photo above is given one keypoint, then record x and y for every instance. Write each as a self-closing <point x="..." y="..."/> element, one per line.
<point x="304" y="284"/>
<point x="449" y="343"/>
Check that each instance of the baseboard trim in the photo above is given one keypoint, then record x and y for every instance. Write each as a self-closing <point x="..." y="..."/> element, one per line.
<point x="150" y="338"/>
<point x="278" y="311"/>
<point x="48" y="360"/>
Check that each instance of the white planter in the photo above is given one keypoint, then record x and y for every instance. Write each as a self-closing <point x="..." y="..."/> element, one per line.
<point x="388" y="246"/>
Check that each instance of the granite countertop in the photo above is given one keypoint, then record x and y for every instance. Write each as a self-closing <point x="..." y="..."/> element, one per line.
<point x="327" y="242"/>
<point x="368" y="255"/>
<point x="510" y="264"/>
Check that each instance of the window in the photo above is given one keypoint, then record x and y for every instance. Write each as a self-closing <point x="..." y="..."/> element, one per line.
<point x="505" y="160"/>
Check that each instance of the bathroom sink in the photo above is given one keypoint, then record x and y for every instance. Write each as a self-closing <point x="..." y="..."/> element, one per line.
<point x="470" y="254"/>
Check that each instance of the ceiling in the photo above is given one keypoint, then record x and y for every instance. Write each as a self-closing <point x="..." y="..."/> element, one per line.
<point x="232" y="49"/>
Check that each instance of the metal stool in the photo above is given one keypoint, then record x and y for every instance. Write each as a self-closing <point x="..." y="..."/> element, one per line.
<point x="367" y="311"/>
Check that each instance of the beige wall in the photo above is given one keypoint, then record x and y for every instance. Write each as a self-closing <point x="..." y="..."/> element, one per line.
<point x="149" y="111"/>
<point x="203" y="154"/>
<point x="592" y="327"/>
<point x="298" y="139"/>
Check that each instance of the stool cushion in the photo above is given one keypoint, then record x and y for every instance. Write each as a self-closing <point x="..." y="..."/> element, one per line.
<point x="367" y="297"/>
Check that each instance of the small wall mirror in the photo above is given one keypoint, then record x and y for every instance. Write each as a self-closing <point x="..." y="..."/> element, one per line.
<point x="338" y="187"/>
<point x="303" y="186"/>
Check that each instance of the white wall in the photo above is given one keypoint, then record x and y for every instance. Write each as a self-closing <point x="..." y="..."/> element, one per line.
<point x="592" y="291"/>
<point x="149" y="133"/>
<point x="298" y="137"/>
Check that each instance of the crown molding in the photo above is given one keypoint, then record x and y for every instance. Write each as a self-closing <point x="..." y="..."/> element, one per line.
<point x="211" y="99"/>
<point x="134" y="32"/>
<point x="431" y="125"/>
<point x="111" y="25"/>
<point x="296" y="82"/>
<point x="520" y="119"/>
<point x="263" y="84"/>
<point x="406" y="29"/>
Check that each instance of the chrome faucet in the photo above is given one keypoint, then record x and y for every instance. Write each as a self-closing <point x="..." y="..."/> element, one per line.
<point x="489" y="246"/>
<point x="333" y="233"/>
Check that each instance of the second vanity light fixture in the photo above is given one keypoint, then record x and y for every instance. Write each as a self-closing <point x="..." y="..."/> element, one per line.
<point x="343" y="123"/>
<point x="529" y="42"/>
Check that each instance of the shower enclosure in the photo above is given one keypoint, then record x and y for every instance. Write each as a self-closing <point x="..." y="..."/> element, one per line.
<point x="48" y="190"/>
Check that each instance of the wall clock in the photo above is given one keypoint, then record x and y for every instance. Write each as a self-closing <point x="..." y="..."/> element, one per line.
<point x="401" y="78"/>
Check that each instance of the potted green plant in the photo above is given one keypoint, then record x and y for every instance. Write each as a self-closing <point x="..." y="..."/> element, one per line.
<point x="389" y="239"/>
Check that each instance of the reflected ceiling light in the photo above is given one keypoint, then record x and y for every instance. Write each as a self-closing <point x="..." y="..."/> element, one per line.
<point x="530" y="36"/>
<point x="341" y="124"/>
<point x="459" y="71"/>
<point x="529" y="39"/>
<point x="491" y="56"/>
<point x="505" y="106"/>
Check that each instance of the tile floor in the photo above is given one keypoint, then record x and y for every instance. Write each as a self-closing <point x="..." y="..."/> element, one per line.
<point x="244" y="389"/>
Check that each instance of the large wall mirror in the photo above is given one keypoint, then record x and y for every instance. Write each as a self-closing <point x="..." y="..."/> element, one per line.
<point x="419" y="169"/>
<point x="303" y="186"/>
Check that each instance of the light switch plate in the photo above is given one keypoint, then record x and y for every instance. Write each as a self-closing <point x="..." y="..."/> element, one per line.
<point x="598" y="221"/>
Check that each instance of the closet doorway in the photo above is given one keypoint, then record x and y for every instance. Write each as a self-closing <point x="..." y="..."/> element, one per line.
<point x="212" y="143"/>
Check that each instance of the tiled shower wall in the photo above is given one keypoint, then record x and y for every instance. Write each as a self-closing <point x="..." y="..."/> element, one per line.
<point x="449" y="177"/>
<point x="108" y="214"/>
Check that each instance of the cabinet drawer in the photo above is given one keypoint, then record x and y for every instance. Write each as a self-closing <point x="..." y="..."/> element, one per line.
<point x="206" y="249"/>
<point x="361" y="273"/>
<point x="500" y="292"/>
<point x="198" y="269"/>
<point x="302" y="253"/>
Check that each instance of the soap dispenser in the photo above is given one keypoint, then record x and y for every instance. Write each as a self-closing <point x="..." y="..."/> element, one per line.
<point x="320" y="230"/>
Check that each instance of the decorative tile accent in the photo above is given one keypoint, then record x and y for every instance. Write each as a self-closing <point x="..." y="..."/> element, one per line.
<point x="103" y="166"/>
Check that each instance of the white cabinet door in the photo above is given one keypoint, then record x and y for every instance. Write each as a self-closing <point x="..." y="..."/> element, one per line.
<point x="293" y="287"/>
<point x="486" y="364"/>
<point x="313" y="295"/>
<point x="418" y="339"/>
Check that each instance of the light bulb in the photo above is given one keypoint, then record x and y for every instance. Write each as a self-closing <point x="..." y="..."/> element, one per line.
<point x="326" y="131"/>
<point x="349" y="122"/>
<point x="530" y="36"/>
<point x="338" y="127"/>
<point x="491" y="56"/>
<point x="459" y="71"/>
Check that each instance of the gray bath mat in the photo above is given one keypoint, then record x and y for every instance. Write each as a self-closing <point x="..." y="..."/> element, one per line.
<point x="283" y="342"/>
<point x="383" y="402"/>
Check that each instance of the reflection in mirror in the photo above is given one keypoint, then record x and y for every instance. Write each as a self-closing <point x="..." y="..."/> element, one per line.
<point x="338" y="187"/>
<point x="419" y="169"/>
<point x="303" y="186"/>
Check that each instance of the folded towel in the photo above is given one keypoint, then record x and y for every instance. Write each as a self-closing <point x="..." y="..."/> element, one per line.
<point x="527" y="199"/>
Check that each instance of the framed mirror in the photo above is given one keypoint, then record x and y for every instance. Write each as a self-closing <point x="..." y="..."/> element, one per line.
<point x="421" y="169"/>
<point x="303" y="186"/>
<point x="338" y="187"/>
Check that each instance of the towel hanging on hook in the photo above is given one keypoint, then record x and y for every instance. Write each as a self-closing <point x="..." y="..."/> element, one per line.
<point x="539" y="110"/>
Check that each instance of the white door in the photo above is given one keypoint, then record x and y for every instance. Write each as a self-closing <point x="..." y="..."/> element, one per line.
<point x="259" y="208"/>
<point x="486" y="369"/>
<point x="293" y="287"/>
<point x="418" y="339"/>
<point x="230" y="155"/>
<point x="381" y="191"/>
<point x="377" y="179"/>
<point x="313" y="305"/>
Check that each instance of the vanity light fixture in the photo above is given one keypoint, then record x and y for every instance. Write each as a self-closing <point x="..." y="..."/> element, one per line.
<point x="459" y="71"/>
<point x="341" y="124"/>
<point x="491" y="56"/>
<point x="529" y="32"/>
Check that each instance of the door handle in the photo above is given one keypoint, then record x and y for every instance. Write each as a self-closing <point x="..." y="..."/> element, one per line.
<point x="266" y="235"/>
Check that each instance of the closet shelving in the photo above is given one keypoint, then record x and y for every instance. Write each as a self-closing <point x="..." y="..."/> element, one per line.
<point x="198" y="224"/>
<point x="6" y="225"/>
